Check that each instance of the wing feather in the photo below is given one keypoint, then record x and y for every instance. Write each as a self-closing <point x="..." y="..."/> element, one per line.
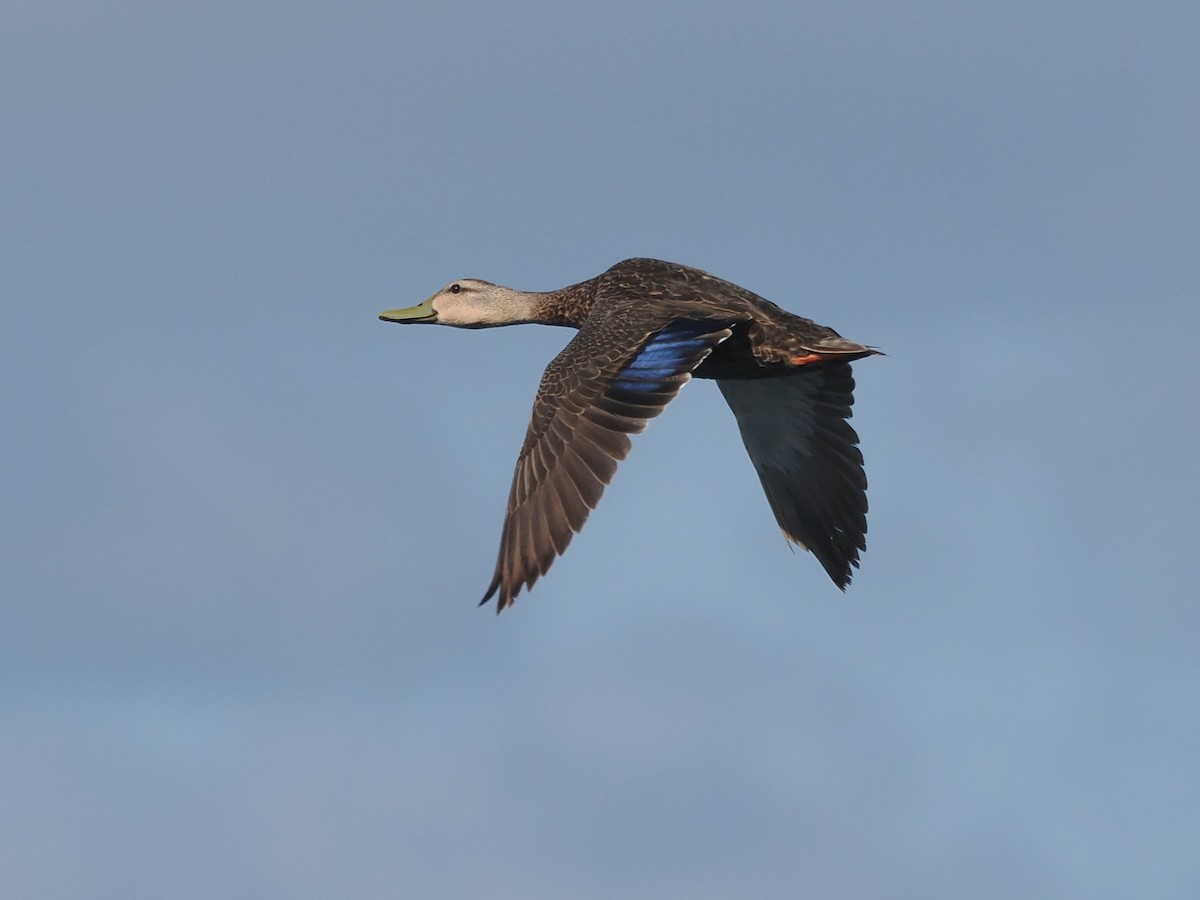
<point x="608" y="382"/>
<point x="797" y="433"/>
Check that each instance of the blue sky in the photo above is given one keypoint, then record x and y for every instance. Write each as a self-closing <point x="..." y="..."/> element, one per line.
<point x="246" y="523"/>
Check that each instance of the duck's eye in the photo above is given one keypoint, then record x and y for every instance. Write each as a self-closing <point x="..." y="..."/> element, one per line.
<point x="455" y="288"/>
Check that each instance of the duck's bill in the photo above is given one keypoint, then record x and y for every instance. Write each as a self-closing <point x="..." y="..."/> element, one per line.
<point x="423" y="312"/>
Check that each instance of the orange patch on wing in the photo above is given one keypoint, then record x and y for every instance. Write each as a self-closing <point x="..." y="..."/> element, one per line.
<point x="806" y="359"/>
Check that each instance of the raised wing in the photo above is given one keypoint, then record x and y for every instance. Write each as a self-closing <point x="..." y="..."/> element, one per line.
<point x="806" y="454"/>
<point x="604" y="386"/>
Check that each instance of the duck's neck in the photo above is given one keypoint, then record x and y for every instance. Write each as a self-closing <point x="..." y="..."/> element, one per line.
<point x="569" y="306"/>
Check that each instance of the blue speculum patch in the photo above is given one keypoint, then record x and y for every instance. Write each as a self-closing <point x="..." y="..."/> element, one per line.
<point x="666" y="354"/>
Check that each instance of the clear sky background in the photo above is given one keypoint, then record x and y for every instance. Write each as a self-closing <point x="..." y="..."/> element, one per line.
<point x="245" y="524"/>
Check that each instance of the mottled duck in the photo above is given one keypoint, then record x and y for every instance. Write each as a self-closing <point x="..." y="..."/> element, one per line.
<point x="645" y="328"/>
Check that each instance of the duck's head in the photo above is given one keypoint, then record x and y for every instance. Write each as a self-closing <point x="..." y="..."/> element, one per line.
<point x="468" y="303"/>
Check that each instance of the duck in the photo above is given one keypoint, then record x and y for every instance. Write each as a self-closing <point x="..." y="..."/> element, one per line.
<point x="645" y="327"/>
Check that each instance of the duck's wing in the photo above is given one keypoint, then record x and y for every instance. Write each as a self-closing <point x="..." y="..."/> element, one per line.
<point x="806" y="454"/>
<point x="609" y="380"/>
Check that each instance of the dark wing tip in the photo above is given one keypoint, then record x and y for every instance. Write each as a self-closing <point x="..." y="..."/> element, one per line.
<point x="841" y="572"/>
<point x="505" y="599"/>
<point x="837" y="548"/>
<point x="838" y="561"/>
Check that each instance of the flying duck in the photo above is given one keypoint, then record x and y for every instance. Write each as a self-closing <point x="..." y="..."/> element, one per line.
<point x="645" y="328"/>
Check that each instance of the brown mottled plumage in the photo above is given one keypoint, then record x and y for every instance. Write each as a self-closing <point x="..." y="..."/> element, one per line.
<point x="645" y="328"/>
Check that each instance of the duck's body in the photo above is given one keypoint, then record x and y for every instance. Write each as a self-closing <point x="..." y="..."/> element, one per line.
<point x="645" y="328"/>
